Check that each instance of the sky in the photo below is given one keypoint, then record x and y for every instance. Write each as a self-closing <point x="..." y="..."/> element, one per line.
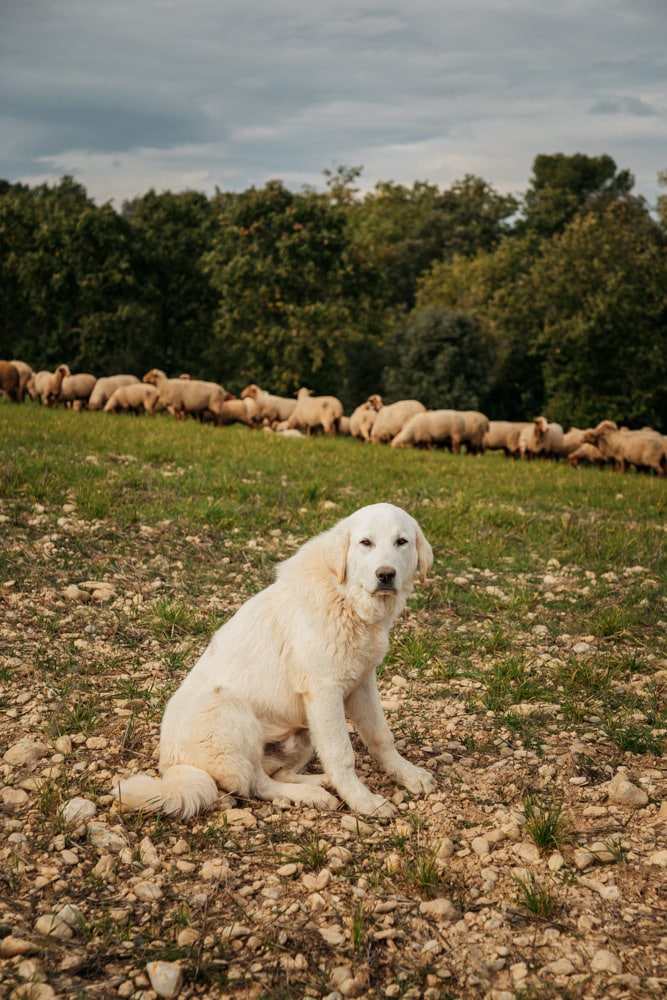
<point x="129" y="96"/>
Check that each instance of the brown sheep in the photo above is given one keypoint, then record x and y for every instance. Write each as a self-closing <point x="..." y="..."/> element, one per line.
<point x="46" y="386"/>
<point x="136" y="397"/>
<point x="10" y="382"/>
<point x="588" y="454"/>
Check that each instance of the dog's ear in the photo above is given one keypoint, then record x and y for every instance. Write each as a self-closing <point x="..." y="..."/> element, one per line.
<point x="336" y="549"/>
<point x="424" y="555"/>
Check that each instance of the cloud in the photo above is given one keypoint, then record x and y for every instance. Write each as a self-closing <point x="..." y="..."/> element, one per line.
<point x="157" y="94"/>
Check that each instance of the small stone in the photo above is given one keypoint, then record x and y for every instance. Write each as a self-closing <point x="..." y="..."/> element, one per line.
<point x="166" y="978"/>
<point x="357" y="826"/>
<point x="287" y="871"/>
<point x="480" y="845"/>
<point x="13" y="798"/>
<point x="149" y="892"/>
<point x="25" y="752"/>
<point x="104" y="839"/>
<point x="51" y="926"/>
<point x="440" y="909"/>
<point x="581" y="647"/>
<point x="78" y="810"/>
<point x="332" y="935"/>
<point x="555" y="862"/>
<point x="583" y="859"/>
<point x="606" y="961"/>
<point x="658" y="858"/>
<point x="74" y="593"/>
<point x="13" y="947"/>
<point x="446" y="849"/>
<point x="621" y="790"/>
<point x="560" y="967"/>
<point x="527" y="851"/>
<point x="339" y="975"/>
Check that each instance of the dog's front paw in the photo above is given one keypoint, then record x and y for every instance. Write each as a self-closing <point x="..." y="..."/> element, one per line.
<point x="418" y="780"/>
<point x="321" y="799"/>
<point x="378" y="806"/>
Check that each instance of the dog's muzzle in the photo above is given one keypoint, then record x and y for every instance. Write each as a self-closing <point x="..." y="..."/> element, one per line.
<point x="386" y="577"/>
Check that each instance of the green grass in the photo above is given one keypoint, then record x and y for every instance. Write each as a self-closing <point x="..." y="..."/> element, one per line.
<point x="206" y="513"/>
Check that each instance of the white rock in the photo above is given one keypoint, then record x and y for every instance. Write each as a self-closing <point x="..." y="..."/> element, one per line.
<point x="606" y="961"/>
<point x="166" y="978"/>
<point x="13" y="947"/>
<point x="51" y="926"/>
<point x="25" y="752"/>
<point x="480" y="845"/>
<point x="13" y="797"/>
<point x="78" y="810"/>
<point x="658" y="858"/>
<point x="74" y="593"/>
<point x="581" y="647"/>
<point x="527" y="851"/>
<point x="441" y="909"/>
<point x="149" y="892"/>
<point x="104" y="839"/>
<point x="332" y="935"/>
<point x="621" y="790"/>
<point x="148" y="854"/>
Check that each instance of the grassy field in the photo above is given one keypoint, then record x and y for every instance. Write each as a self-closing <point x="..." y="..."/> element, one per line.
<point x="542" y="625"/>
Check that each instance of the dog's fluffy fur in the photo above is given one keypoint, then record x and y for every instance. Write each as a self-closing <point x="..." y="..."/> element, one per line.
<point x="279" y="678"/>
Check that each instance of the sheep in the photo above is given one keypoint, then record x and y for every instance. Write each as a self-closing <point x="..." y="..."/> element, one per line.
<point x="442" y="428"/>
<point x="572" y="440"/>
<point x="541" y="438"/>
<point x="105" y="387"/>
<point x="236" y="411"/>
<point x="25" y="374"/>
<point x="136" y="397"/>
<point x="644" y="449"/>
<point x="503" y="435"/>
<point x="391" y="419"/>
<point x="313" y="412"/>
<point x="76" y="389"/>
<point x="588" y="454"/>
<point x="363" y="418"/>
<point x="46" y="385"/>
<point x="476" y="425"/>
<point x="187" y="396"/>
<point x="9" y="381"/>
<point x="263" y="406"/>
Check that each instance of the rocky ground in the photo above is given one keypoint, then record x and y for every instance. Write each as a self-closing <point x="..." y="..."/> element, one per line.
<point x="537" y="868"/>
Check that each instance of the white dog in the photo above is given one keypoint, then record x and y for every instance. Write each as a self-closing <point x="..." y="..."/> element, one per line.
<point x="278" y="679"/>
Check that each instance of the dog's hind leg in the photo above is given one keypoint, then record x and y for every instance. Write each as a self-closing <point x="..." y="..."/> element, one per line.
<point x="297" y="790"/>
<point x="284" y="761"/>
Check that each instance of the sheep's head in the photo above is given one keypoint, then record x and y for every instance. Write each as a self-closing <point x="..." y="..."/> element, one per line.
<point x="541" y="424"/>
<point x="303" y="392"/>
<point x="374" y="402"/>
<point x="250" y="392"/>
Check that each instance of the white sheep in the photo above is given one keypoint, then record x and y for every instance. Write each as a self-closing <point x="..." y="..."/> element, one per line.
<point x="76" y="389"/>
<point x="572" y="440"/>
<point x="136" y="397"/>
<point x="503" y="435"/>
<point x="476" y="425"/>
<point x="105" y="387"/>
<point x="541" y="438"/>
<point x="25" y="374"/>
<point x="363" y="418"/>
<point x="430" y="428"/>
<point x="588" y="454"/>
<point x="184" y="397"/>
<point x="391" y="419"/>
<point x="45" y="385"/>
<point x="315" y="412"/>
<point x="643" y="449"/>
<point x="265" y="407"/>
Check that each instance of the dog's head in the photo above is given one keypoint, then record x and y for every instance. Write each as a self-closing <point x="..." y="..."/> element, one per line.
<point x="379" y="549"/>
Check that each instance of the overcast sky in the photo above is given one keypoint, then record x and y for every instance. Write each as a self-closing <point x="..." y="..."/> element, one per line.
<point x="129" y="95"/>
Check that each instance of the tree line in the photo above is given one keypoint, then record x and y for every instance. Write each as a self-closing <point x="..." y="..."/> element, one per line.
<point x="553" y="302"/>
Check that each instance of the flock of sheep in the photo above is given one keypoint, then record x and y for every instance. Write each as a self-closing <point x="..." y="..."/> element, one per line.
<point x="406" y="422"/>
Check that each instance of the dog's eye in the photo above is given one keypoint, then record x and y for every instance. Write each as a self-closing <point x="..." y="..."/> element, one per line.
<point x="367" y="542"/>
<point x="401" y="541"/>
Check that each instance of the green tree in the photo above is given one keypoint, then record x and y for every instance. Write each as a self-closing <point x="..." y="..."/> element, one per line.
<point x="563" y="185"/>
<point x="441" y="357"/>
<point x="600" y="291"/>
<point x="171" y="234"/>
<point x="294" y="295"/>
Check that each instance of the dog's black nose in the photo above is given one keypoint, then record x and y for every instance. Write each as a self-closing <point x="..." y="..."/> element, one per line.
<point x="386" y="575"/>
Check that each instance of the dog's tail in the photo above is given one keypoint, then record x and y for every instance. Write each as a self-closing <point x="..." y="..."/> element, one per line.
<point x="181" y="791"/>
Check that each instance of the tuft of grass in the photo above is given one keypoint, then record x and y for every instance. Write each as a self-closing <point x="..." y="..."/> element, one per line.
<point x="538" y="898"/>
<point x="546" y="822"/>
